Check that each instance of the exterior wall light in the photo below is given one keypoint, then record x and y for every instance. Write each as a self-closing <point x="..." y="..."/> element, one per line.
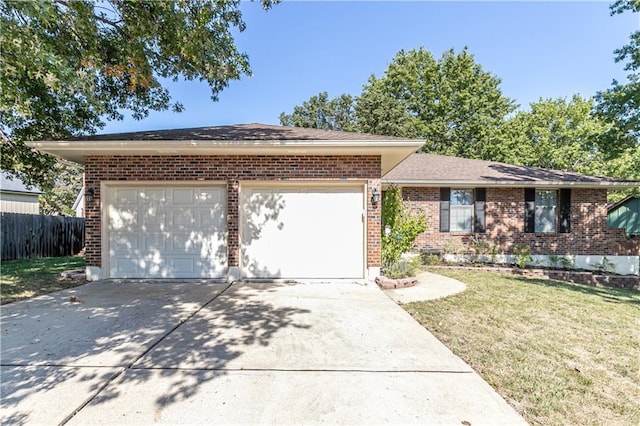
<point x="89" y="195"/>
<point x="375" y="196"/>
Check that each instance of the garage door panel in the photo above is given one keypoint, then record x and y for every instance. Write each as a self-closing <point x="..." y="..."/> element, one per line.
<point x="162" y="235"/>
<point x="123" y="196"/>
<point x="183" y="196"/>
<point x="184" y="267"/>
<point x="298" y="232"/>
<point x="154" y="242"/>
<point x="154" y="196"/>
<point x="153" y="219"/>
<point x="123" y="218"/>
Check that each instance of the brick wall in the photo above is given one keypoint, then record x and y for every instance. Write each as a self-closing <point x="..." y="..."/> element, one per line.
<point x="505" y="224"/>
<point x="233" y="170"/>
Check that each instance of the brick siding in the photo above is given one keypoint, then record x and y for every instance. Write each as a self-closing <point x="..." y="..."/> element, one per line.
<point x="233" y="170"/>
<point x="590" y="234"/>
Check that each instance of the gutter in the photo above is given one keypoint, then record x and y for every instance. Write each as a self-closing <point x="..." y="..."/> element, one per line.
<point x="512" y="183"/>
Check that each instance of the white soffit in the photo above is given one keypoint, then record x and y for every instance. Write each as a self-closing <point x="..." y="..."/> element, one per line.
<point x="391" y="152"/>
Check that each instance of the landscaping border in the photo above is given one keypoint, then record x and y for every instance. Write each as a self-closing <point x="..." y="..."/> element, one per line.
<point x="629" y="282"/>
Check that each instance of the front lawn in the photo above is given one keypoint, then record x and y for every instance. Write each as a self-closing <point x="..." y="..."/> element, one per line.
<point x="560" y="353"/>
<point x="21" y="279"/>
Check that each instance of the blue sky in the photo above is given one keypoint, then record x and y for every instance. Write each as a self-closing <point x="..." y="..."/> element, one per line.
<point x="297" y="49"/>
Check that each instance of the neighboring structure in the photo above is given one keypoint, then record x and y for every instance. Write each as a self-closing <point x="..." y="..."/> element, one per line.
<point x="554" y="213"/>
<point x="625" y="214"/>
<point x="16" y="197"/>
<point x="78" y="204"/>
<point x="254" y="201"/>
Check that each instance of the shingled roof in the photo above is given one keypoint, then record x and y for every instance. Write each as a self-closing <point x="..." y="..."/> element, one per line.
<point x="238" y="132"/>
<point x="239" y="139"/>
<point x="439" y="170"/>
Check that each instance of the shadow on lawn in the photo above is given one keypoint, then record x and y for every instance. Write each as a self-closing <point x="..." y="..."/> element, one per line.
<point x="609" y="294"/>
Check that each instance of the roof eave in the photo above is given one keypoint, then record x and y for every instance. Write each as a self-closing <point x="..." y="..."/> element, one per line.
<point x="392" y="152"/>
<point x="513" y="183"/>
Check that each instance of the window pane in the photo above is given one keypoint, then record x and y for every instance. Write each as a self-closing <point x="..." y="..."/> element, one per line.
<point x="461" y="218"/>
<point x="546" y="217"/>
<point x="546" y="198"/>
<point x="461" y="197"/>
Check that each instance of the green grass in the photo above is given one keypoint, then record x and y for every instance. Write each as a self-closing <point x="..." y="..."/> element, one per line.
<point x="21" y="279"/>
<point x="560" y="353"/>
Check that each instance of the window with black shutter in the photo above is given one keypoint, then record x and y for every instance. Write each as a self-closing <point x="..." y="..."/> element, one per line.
<point x="462" y="210"/>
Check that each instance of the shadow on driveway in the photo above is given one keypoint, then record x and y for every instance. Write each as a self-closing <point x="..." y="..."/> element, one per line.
<point x="57" y="354"/>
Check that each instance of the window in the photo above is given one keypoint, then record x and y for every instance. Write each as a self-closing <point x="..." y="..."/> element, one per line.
<point x="546" y="215"/>
<point x="462" y="210"/>
<point x="547" y="211"/>
<point x="461" y="215"/>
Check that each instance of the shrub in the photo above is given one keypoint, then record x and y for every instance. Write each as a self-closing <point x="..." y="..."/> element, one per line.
<point x="493" y="253"/>
<point x="523" y="255"/>
<point x="567" y="262"/>
<point x="402" y="268"/>
<point x="605" y="265"/>
<point x="432" y="260"/>
<point x="400" y="228"/>
<point x="479" y="248"/>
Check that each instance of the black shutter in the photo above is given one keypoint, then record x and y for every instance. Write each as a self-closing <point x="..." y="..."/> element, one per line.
<point x="480" y="222"/>
<point x="445" y="198"/>
<point x="529" y="209"/>
<point x="565" y="211"/>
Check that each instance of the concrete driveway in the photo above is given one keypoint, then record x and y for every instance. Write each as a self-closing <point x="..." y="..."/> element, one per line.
<point x="136" y="352"/>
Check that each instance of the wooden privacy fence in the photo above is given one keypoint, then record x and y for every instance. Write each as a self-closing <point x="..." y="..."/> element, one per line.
<point x="28" y="235"/>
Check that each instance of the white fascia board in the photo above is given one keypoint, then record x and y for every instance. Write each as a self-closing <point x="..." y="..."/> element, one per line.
<point x="392" y="152"/>
<point x="510" y="183"/>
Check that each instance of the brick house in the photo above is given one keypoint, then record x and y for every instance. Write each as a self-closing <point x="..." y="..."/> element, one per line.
<point x="243" y="201"/>
<point x="552" y="212"/>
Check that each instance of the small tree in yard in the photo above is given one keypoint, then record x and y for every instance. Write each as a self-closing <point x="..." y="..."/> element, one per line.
<point x="400" y="228"/>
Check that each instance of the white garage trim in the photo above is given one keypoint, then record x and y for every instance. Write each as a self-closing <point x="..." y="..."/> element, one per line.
<point x="308" y="229"/>
<point x="184" y="215"/>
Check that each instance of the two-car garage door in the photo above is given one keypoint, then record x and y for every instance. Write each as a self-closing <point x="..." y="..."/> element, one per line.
<point x="286" y="231"/>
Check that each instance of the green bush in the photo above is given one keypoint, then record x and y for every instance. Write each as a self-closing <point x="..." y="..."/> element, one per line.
<point x="402" y="268"/>
<point x="400" y="228"/>
<point x="523" y="255"/>
<point x="432" y="260"/>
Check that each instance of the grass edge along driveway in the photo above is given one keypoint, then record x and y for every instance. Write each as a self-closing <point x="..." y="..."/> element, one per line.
<point x="25" y="278"/>
<point x="560" y="353"/>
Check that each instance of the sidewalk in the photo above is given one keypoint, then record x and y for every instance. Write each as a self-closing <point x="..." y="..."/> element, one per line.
<point x="430" y="286"/>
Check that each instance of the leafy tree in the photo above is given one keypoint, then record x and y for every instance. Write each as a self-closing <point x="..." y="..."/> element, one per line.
<point x="321" y="113"/>
<point x="625" y="166"/>
<point x="621" y="103"/>
<point x="452" y="103"/>
<point x="59" y="199"/>
<point x="67" y="65"/>
<point x="379" y="112"/>
<point x="555" y="134"/>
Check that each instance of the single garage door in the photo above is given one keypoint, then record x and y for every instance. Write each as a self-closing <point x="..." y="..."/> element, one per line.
<point x="167" y="232"/>
<point x="302" y="232"/>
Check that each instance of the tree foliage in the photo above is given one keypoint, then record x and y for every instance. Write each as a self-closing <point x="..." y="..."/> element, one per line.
<point x="319" y="112"/>
<point x="554" y="134"/>
<point x="59" y="199"/>
<point x="451" y="103"/>
<point x="68" y="65"/>
<point x="621" y="102"/>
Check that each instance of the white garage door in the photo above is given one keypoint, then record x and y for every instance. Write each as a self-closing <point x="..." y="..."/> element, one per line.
<point x="302" y="232"/>
<point x="167" y="232"/>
